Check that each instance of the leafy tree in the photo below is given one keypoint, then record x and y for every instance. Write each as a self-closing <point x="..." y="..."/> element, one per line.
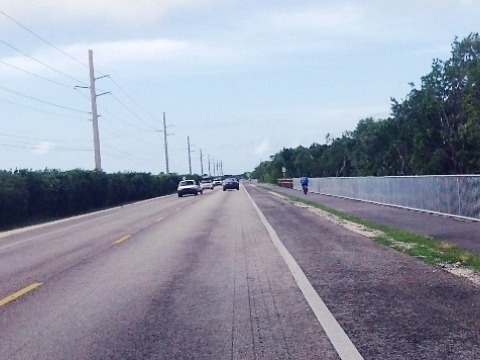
<point x="336" y="159"/>
<point x="435" y="130"/>
<point x="302" y="162"/>
<point x="13" y="199"/>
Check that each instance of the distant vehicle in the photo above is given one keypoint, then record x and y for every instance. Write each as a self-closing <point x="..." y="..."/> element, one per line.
<point x="217" y="182"/>
<point x="231" y="183"/>
<point x="188" y="187"/>
<point x="206" y="184"/>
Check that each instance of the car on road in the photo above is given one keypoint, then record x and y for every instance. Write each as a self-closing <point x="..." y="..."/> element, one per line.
<point x="230" y="183"/>
<point x="188" y="187"/>
<point x="206" y="184"/>
<point x="217" y="182"/>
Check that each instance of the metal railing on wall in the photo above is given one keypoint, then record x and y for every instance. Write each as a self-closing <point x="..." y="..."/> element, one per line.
<point x="456" y="195"/>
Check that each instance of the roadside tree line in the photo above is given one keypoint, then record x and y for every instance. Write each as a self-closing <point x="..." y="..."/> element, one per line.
<point x="434" y="130"/>
<point x="28" y="197"/>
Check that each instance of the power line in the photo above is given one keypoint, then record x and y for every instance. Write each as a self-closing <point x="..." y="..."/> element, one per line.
<point x="36" y="147"/>
<point x="9" y="140"/>
<point x="33" y="138"/>
<point x="41" y="38"/>
<point x="40" y="110"/>
<point x="120" y="133"/>
<point x="25" y="142"/>
<point x="40" y="62"/>
<point x="33" y="74"/>
<point x="132" y="99"/>
<point x="40" y="100"/>
<point x="133" y="113"/>
<point x="124" y="121"/>
<point x="18" y="23"/>
<point x="136" y="157"/>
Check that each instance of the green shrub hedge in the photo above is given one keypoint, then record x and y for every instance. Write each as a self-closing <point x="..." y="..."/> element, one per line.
<point x="33" y="196"/>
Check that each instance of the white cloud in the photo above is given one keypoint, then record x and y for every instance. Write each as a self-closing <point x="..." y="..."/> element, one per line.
<point x="133" y="52"/>
<point x="264" y="148"/>
<point x="341" y="19"/>
<point x="44" y="147"/>
<point x="141" y="50"/>
<point x="108" y="10"/>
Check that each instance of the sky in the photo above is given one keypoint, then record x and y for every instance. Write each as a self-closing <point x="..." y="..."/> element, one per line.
<point x="238" y="80"/>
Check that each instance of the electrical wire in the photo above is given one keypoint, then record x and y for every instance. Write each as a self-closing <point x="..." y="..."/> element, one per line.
<point x="41" y="62"/>
<point x="36" y="75"/>
<point x="40" y="100"/>
<point x="121" y="152"/>
<point x="119" y="132"/>
<point x="23" y="142"/>
<point x="34" y="138"/>
<point x="71" y="57"/>
<point x="41" y="110"/>
<point x="124" y="121"/>
<point x="36" y="147"/>
<point x="132" y="99"/>
<point x="133" y="113"/>
<point x="41" y="38"/>
<point x="26" y="142"/>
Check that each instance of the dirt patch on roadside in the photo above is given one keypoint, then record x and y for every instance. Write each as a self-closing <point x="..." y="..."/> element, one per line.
<point x="459" y="270"/>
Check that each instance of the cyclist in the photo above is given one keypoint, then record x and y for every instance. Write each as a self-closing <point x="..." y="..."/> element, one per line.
<point x="304" y="183"/>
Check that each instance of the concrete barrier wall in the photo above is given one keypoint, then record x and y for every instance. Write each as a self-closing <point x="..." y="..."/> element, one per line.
<point x="457" y="195"/>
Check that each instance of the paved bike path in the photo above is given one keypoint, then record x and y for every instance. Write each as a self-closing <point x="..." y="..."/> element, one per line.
<point x="464" y="233"/>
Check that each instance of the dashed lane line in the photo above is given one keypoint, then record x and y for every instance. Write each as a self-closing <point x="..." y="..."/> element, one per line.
<point x="121" y="240"/>
<point x="18" y="294"/>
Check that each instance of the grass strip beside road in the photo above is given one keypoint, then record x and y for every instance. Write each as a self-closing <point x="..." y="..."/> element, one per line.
<point x="425" y="248"/>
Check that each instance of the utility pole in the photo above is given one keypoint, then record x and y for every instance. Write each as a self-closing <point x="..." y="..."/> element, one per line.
<point x="189" y="156"/>
<point x="93" y="95"/>
<point x="209" y="172"/>
<point x="201" y="163"/>
<point x="165" y="144"/>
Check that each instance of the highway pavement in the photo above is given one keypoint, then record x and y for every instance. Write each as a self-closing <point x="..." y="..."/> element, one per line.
<point x="224" y="275"/>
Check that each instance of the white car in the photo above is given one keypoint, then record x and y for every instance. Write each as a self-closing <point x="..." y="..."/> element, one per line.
<point x="188" y="187"/>
<point x="206" y="184"/>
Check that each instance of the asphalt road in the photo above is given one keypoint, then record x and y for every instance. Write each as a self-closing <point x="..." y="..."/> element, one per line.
<point x="209" y="277"/>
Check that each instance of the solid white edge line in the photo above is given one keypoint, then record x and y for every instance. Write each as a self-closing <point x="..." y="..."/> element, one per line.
<point x="337" y="336"/>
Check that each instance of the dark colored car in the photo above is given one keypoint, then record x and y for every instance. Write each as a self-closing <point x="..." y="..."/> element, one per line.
<point x="231" y="183"/>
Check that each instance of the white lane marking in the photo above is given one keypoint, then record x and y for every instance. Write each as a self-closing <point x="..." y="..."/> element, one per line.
<point x="339" y="339"/>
